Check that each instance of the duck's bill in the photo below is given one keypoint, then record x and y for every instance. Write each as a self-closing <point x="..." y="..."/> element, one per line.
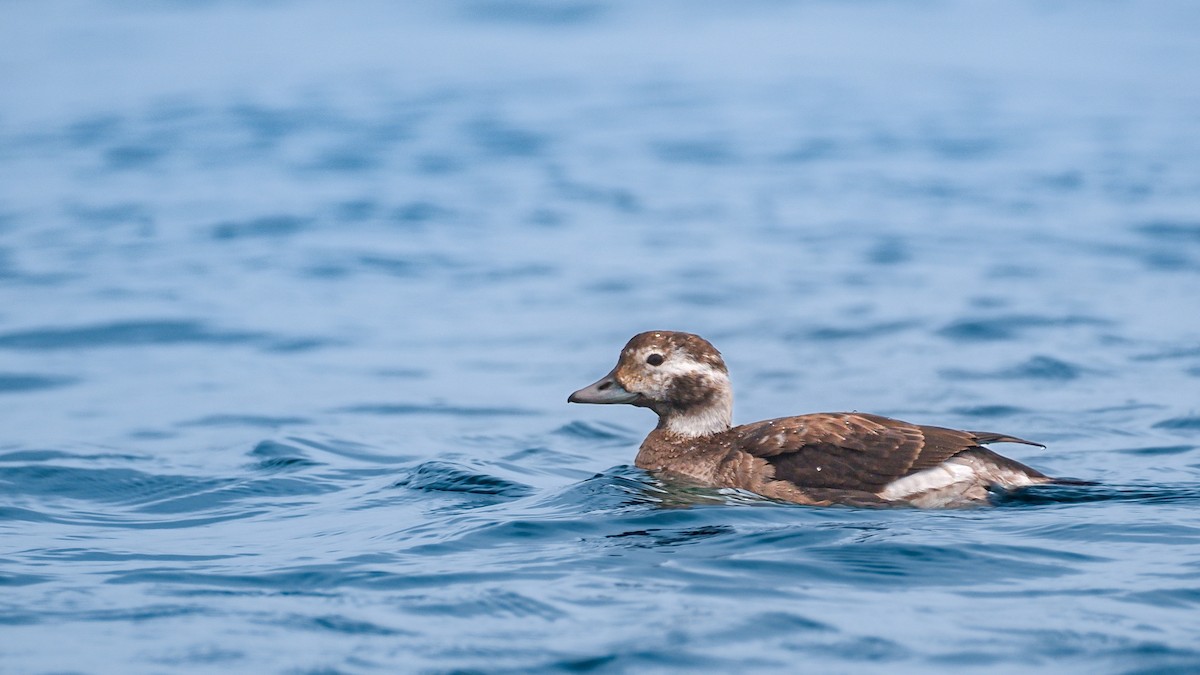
<point x="604" y="390"/>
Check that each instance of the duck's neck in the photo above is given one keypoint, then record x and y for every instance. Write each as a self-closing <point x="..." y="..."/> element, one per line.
<point x="712" y="418"/>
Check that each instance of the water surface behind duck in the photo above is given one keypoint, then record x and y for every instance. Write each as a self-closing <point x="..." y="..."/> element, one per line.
<point x="292" y="295"/>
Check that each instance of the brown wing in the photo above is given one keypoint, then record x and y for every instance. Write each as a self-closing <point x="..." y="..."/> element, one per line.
<point x="853" y="451"/>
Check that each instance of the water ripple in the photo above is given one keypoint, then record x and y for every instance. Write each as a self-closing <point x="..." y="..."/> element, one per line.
<point x="124" y="334"/>
<point x="444" y="477"/>
<point x="22" y="382"/>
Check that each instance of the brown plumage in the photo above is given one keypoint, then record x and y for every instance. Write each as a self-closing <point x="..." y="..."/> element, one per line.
<point x="822" y="458"/>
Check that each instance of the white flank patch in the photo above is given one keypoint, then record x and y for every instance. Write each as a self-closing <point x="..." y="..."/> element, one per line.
<point x="961" y="471"/>
<point x="929" y="480"/>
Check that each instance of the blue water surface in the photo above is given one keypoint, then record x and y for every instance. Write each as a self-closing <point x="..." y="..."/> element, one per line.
<point x="292" y="294"/>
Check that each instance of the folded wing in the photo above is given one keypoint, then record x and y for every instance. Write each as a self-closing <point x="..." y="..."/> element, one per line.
<point x="854" y="451"/>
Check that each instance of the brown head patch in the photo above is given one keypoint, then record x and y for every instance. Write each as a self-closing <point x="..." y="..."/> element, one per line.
<point x="667" y="342"/>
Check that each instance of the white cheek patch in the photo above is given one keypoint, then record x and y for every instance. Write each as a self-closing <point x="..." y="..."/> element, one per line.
<point x="655" y="382"/>
<point x="677" y="366"/>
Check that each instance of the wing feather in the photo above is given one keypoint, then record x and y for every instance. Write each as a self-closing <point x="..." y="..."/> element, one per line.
<point x="853" y="451"/>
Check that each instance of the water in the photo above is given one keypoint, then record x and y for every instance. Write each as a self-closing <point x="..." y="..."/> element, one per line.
<point x="292" y="295"/>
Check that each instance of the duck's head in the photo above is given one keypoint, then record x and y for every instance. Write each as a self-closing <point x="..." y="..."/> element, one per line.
<point x="680" y="376"/>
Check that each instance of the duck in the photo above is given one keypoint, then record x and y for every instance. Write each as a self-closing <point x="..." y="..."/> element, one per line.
<point x="842" y="458"/>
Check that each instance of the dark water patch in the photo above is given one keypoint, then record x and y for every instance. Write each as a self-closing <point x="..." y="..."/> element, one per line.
<point x="406" y="268"/>
<point x="1171" y="232"/>
<point x="859" y="332"/>
<point x="768" y="624"/>
<point x="309" y="579"/>
<point x="12" y="383"/>
<point x="534" y="12"/>
<point x="141" y="492"/>
<point x="1062" y="182"/>
<point x="595" y="431"/>
<point x="1026" y="552"/>
<point x="266" y="226"/>
<point x="94" y="130"/>
<point x="337" y="623"/>
<point x="436" y="476"/>
<point x="242" y="491"/>
<point x="151" y="434"/>
<point x="131" y="156"/>
<point x="1169" y="261"/>
<point x="1190" y="662"/>
<point x="127" y="523"/>
<point x="35" y="455"/>
<point x="269" y="125"/>
<point x="1045" y="495"/>
<point x="16" y="618"/>
<point x="259" y="421"/>
<point x="298" y="344"/>
<point x="402" y="373"/>
<point x="813" y="150"/>
<point x="1158" y="450"/>
<point x="963" y="148"/>
<point x="510" y="273"/>
<point x="103" y="485"/>
<point x="18" y="514"/>
<point x="401" y="409"/>
<point x="274" y="449"/>
<point x="205" y="655"/>
<point x="925" y="565"/>
<point x="414" y="213"/>
<point x="112" y="215"/>
<point x="702" y="152"/>
<point x="326" y="270"/>
<point x="1161" y="533"/>
<point x="1010" y="326"/>
<point x="614" y="286"/>
<point x="619" y="199"/>
<point x="862" y="649"/>
<point x="675" y="656"/>
<point x="1063" y="643"/>
<point x="275" y="456"/>
<point x="9" y="580"/>
<point x="621" y="489"/>
<point x="124" y="334"/>
<point x="134" y="614"/>
<point x="547" y="218"/>
<point x="356" y="210"/>
<point x="543" y="460"/>
<point x="437" y="164"/>
<point x="990" y="411"/>
<point x="1176" y="598"/>
<point x="492" y="603"/>
<point x="93" y="555"/>
<point x="1036" y="368"/>
<point x="502" y="139"/>
<point x="393" y="266"/>
<point x="352" y="450"/>
<point x="657" y="537"/>
<point x="353" y="159"/>
<point x="888" y="251"/>
<point x="1185" y="423"/>
<point x="1170" y="354"/>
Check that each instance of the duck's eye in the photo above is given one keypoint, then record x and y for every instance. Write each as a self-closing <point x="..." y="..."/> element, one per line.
<point x="655" y="359"/>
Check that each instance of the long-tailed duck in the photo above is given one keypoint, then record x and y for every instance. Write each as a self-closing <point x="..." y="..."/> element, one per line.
<point x="822" y="458"/>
